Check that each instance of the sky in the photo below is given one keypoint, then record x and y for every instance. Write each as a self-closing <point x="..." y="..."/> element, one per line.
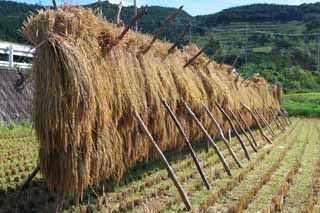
<point x="193" y="7"/>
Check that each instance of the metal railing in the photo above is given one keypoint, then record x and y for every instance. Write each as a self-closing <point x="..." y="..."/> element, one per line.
<point x="14" y="49"/>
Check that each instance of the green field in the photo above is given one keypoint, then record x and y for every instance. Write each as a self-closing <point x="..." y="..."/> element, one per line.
<point x="302" y="104"/>
<point x="283" y="176"/>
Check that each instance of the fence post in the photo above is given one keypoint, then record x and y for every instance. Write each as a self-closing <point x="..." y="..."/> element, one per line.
<point x="10" y="55"/>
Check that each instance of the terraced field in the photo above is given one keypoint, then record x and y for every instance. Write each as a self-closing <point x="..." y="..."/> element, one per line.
<point x="283" y="176"/>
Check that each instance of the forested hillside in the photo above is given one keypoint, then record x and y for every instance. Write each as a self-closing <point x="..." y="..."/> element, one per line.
<point x="279" y="42"/>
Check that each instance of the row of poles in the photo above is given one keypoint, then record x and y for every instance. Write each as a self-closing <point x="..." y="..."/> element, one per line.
<point x="280" y="117"/>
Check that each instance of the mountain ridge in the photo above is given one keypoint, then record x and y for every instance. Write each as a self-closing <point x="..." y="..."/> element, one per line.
<point x="291" y="60"/>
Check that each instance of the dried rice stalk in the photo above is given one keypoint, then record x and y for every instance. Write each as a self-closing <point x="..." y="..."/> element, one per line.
<point x="87" y="90"/>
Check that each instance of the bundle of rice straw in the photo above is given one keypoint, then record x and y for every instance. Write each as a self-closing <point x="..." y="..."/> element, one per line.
<point x="88" y="86"/>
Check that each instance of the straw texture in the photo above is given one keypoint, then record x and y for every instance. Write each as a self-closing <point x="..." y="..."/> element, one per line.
<point x="88" y="86"/>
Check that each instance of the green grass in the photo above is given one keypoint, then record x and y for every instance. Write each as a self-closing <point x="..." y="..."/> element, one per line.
<point x="303" y="104"/>
<point x="13" y="129"/>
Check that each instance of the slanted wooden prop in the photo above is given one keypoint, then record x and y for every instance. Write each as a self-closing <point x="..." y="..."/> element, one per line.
<point x="162" y="28"/>
<point x="220" y="132"/>
<point x="171" y="49"/>
<point x="186" y="139"/>
<point x="234" y="130"/>
<point x="209" y="138"/>
<point x="248" y="128"/>
<point x="243" y="131"/>
<point x="264" y="137"/>
<point x="171" y="174"/>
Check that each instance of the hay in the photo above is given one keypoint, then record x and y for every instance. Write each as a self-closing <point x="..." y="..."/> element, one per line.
<point x="86" y="94"/>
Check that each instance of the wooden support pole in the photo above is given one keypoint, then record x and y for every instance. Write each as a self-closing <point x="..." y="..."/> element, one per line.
<point x="186" y="139"/>
<point x="223" y="59"/>
<point x="277" y="114"/>
<point x="171" y="174"/>
<point x="164" y="25"/>
<point x="286" y="115"/>
<point x="28" y="180"/>
<point x="235" y="62"/>
<point x="248" y="128"/>
<point x="215" y="122"/>
<point x="279" y="120"/>
<point x="282" y="116"/>
<point x="171" y="49"/>
<point x="214" y="55"/>
<point x="274" y="120"/>
<point x="234" y="130"/>
<point x="279" y="124"/>
<point x="264" y="137"/>
<point x="266" y="123"/>
<point x="135" y="12"/>
<point x="279" y="127"/>
<point x="243" y="131"/>
<point x="54" y="3"/>
<point x="229" y="132"/>
<point x="118" y="15"/>
<point x="209" y="138"/>
<point x="132" y="22"/>
<point x="196" y="56"/>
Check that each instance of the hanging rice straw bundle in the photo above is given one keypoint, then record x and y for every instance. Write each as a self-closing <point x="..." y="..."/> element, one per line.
<point x="88" y="86"/>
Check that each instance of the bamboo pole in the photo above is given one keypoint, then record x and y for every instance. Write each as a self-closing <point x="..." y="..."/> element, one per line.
<point x="28" y="180"/>
<point x="186" y="139"/>
<point x="196" y="56"/>
<point x="210" y="60"/>
<point x="234" y="130"/>
<point x="285" y="113"/>
<point x="248" y="128"/>
<point x="280" y="119"/>
<point x="235" y="62"/>
<point x="276" y="121"/>
<point x="264" y="137"/>
<point x="171" y="174"/>
<point x="283" y="129"/>
<point x="209" y="138"/>
<point x="118" y="15"/>
<point x="54" y="3"/>
<point x="132" y="22"/>
<point x="234" y="156"/>
<point x="243" y="131"/>
<point x="164" y="25"/>
<point x="265" y="122"/>
<point x="222" y="61"/>
<point x="171" y="49"/>
<point x="282" y="116"/>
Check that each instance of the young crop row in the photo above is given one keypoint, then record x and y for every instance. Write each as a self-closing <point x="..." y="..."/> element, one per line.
<point x="299" y="175"/>
<point x="186" y="173"/>
<point x="145" y="187"/>
<point x="18" y="157"/>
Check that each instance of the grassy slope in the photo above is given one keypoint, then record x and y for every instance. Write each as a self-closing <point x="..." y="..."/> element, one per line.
<point x="303" y="104"/>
